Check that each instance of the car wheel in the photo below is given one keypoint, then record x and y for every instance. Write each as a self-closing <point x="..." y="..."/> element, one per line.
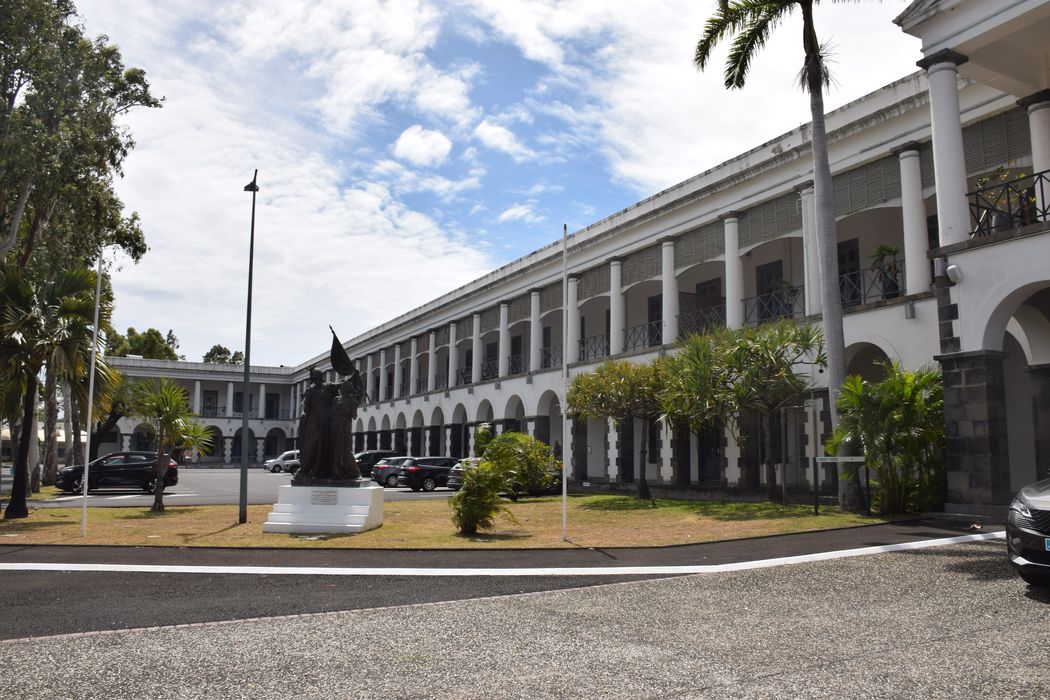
<point x="276" y="469"/>
<point x="391" y="480"/>
<point x="150" y="485"/>
<point x="1036" y="578"/>
<point x="75" y="485"/>
<point x="429" y="484"/>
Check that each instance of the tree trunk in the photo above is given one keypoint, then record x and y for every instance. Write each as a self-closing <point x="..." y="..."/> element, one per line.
<point x="827" y="241"/>
<point x="50" y="428"/>
<point x="643" y="485"/>
<point x="67" y="422"/>
<point x="17" y="507"/>
<point x="75" y="445"/>
<point x="33" y="455"/>
<point x="162" y="469"/>
<point x="773" y="493"/>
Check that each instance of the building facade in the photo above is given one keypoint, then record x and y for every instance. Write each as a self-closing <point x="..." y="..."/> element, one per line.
<point x="941" y="199"/>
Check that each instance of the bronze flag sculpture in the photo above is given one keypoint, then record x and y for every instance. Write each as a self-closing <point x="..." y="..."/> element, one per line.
<point x="326" y="446"/>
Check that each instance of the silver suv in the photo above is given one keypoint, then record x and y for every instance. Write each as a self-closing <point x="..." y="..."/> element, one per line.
<point x="287" y="462"/>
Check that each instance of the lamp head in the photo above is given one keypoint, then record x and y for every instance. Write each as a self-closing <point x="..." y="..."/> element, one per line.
<point x="251" y="186"/>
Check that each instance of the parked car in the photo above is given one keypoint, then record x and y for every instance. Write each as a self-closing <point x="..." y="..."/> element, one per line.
<point x="367" y="459"/>
<point x="425" y="473"/>
<point x="455" y="474"/>
<point x="287" y="462"/>
<point x="1028" y="533"/>
<point x="385" y="471"/>
<point x="137" y="469"/>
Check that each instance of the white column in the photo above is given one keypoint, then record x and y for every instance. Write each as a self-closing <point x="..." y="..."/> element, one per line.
<point x="293" y="403"/>
<point x="262" y="400"/>
<point x="666" y="472"/>
<point x="810" y="249"/>
<point x="669" y="288"/>
<point x="229" y="399"/>
<point x="504" y="339"/>
<point x="197" y="396"/>
<point x="475" y="365"/>
<point x="432" y="363"/>
<point x="382" y="375"/>
<point x="949" y="164"/>
<point x="734" y="273"/>
<point x="913" y="213"/>
<point x="370" y="383"/>
<point x="413" y="366"/>
<point x="398" y="374"/>
<point x="535" y="332"/>
<point x="617" y="318"/>
<point x="1038" y="108"/>
<point x="453" y="355"/>
<point x="572" y="333"/>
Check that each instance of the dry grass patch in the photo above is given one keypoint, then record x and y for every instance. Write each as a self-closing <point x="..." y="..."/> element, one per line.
<point x="594" y="521"/>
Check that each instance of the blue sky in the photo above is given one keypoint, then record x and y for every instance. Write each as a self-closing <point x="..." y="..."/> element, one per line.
<point x="407" y="147"/>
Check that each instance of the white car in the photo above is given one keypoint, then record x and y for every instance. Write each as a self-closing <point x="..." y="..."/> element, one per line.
<point x="287" y="462"/>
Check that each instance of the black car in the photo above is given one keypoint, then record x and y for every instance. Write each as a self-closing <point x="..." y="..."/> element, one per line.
<point x="455" y="475"/>
<point x="367" y="459"/>
<point x="425" y="473"/>
<point x="1028" y="533"/>
<point x="385" y="470"/>
<point x="135" y="469"/>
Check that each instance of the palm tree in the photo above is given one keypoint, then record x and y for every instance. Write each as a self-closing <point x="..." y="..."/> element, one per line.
<point x="165" y="406"/>
<point x="39" y="323"/>
<point x="750" y="23"/>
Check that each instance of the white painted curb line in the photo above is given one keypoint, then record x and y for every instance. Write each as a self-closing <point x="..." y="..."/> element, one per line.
<point x="565" y="571"/>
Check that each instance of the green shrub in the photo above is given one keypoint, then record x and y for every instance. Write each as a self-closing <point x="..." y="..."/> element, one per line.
<point x="476" y="505"/>
<point x="527" y="465"/>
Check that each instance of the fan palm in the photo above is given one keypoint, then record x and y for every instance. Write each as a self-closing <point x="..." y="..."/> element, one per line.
<point x="165" y="406"/>
<point x="40" y="323"/>
<point x="750" y="24"/>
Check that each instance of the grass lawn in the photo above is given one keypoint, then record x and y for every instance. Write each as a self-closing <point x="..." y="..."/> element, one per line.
<point x="594" y="521"/>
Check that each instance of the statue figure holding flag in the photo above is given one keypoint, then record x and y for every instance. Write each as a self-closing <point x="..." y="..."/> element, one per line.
<point x="326" y="446"/>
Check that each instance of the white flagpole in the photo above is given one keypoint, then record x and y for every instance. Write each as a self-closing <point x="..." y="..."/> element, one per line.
<point x="91" y="398"/>
<point x="566" y="444"/>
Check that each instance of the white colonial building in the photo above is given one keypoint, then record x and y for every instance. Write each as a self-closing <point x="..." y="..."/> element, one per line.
<point x="968" y="287"/>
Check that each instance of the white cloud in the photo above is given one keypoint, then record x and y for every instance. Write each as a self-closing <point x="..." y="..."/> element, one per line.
<point x="520" y="212"/>
<point x="503" y="139"/>
<point x="421" y="146"/>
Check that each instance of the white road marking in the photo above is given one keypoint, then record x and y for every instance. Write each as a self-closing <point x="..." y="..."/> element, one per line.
<point x="531" y="571"/>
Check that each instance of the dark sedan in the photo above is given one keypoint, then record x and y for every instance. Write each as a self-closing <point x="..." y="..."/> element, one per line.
<point x="385" y="470"/>
<point x="127" y="469"/>
<point x="1028" y="533"/>
<point x="426" y="473"/>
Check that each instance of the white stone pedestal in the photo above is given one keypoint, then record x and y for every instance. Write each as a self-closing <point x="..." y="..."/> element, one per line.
<point x="316" y="509"/>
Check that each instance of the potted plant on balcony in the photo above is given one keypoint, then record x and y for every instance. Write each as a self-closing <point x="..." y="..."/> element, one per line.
<point x="1001" y="201"/>
<point x="887" y="269"/>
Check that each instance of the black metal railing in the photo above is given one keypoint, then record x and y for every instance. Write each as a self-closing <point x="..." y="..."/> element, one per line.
<point x="550" y="357"/>
<point x="1008" y="204"/>
<point x="517" y="364"/>
<point x="701" y="320"/>
<point x="421" y="385"/>
<point x="594" y="348"/>
<point x="213" y="411"/>
<point x="464" y="376"/>
<point x="646" y="335"/>
<point x="866" y="286"/>
<point x="402" y="390"/>
<point x="440" y="382"/>
<point x="489" y="369"/>
<point x="388" y="393"/>
<point x="788" y="302"/>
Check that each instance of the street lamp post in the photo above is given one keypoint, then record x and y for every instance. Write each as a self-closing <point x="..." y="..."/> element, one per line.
<point x="246" y="392"/>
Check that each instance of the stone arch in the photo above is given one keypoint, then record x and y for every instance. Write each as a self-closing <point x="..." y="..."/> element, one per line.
<point x="549" y="420"/>
<point x="275" y="443"/>
<point x="866" y="360"/>
<point x="484" y="413"/>
<point x="514" y="415"/>
<point x="372" y="424"/>
<point x="384" y="424"/>
<point x="144" y="438"/>
<point x="458" y="442"/>
<point x="235" y="447"/>
<point x="217" y="451"/>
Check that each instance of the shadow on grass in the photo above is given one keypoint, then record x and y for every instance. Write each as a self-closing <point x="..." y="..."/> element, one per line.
<point x="191" y="536"/>
<point x="730" y="511"/>
<point x="493" y="537"/>
<point x="148" y="514"/>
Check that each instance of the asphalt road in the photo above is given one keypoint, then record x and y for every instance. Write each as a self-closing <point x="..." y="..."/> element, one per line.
<point x="212" y="487"/>
<point x="945" y="622"/>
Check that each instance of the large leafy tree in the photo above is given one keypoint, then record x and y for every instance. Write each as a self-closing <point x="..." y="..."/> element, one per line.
<point x="733" y="375"/>
<point x="150" y="344"/>
<point x="750" y="23"/>
<point x="39" y="323"/>
<point x="221" y="354"/>
<point x="898" y="425"/>
<point x="622" y="391"/>
<point x="164" y="405"/>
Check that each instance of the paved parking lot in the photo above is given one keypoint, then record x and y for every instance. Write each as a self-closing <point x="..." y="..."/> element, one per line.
<point x="947" y="622"/>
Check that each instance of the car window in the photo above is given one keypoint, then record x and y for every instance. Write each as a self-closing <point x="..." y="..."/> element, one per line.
<point x="112" y="461"/>
<point x="137" y="459"/>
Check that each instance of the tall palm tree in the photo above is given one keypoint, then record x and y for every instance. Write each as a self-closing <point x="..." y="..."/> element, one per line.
<point x="750" y="23"/>
<point x="165" y="406"/>
<point x="38" y="323"/>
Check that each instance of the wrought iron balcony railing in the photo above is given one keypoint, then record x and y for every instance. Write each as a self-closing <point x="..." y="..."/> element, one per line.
<point x="440" y="382"/>
<point x="594" y="348"/>
<point x="550" y="357"/>
<point x="646" y="335"/>
<point x="463" y="377"/>
<point x="702" y="320"/>
<point x="866" y="286"/>
<point x="788" y="302"/>
<point x="517" y="364"/>
<point x="1007" y="204"/>
<point x="489" y="370"/>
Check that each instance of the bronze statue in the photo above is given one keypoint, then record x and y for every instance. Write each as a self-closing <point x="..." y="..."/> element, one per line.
<point x="326" y="423"/>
